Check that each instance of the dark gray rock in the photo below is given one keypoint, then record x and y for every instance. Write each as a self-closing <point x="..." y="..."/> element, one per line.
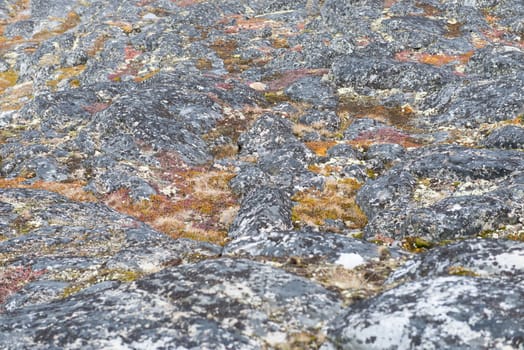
<point x="453" y="218"/>
<point x="381" y="156"/>
<point x="457" y="162"/>
<point x="484" y="101"/>
<point x="262" y="210"/>
<point x="306" y="244"/>
<point x="393" y="188"/>
<point x="478" y="257"/>
<point x="269" y="133"/>
<point x="387" y="74"/>
<point x="344" y="151"/>
<point x="413" y="32"/>
<point x="219" y="304"/>
<point x="312" y="90"/>
<point x="359" y="126"/>
<point x="392" y="194"/>
<point x="508" y="137"/>
<point x="321" y="119"/>
<point x="443" y="312"/>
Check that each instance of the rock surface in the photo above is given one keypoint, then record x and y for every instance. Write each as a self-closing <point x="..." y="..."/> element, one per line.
<point x="191" y="174"/>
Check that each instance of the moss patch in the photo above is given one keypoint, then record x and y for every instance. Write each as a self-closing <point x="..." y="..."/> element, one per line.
<point x="335" y="202"/>
<point x="416" y="244"/>
<point x="195" y="202"/>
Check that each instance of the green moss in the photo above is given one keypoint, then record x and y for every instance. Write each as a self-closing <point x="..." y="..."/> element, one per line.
<point x="358" y="235"/>
<point x="461" y="271"/>
<point x="81" y="282"/>
<point x="275" y="97"/>
<point x="371" y="174"/>
<point x="416" y="244"/>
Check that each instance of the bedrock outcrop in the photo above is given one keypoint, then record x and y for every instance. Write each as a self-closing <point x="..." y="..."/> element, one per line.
<point x="191" y="174"/>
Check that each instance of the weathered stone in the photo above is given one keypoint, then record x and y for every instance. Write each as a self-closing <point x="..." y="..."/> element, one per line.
<point x="312" y="90"/>
<point x="323" y="119"/>
<point x="387" y="74"/>
<point x="478" y="257"/>
<point x="506" y="137"/>
<point x="262" y="210"/>
<point x="306" y="243"/>
<point x="443" y="312"/>
<point x="220" y="304"/>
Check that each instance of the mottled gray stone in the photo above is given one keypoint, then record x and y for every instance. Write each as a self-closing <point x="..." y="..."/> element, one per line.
<point x="314" y="91"/>
<point x="56" y="235"/>
<point x="269" y="133"/>
<point x="395" y="187"/>
<point x="361" y="125"/>
<point x="484" y="101"/>
<point x="216" y="304"/>
<point x="304" y="243"/>
<point x="388" y="74"/>
<point x="262" y="210"/>
<point x="457" y="162"/>
<point x="509" y="136"/>
<point x="492" y="258"/>
<point x="321" y="119"/>
<point x="438" y="313"/>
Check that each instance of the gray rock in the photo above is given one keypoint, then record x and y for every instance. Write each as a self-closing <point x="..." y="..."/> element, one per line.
<point x="458" y="162"/>
<point x="442" y="312"/>
<point x="344" y="151"/>
<point x="393" y="188"/>
<point x="262" y="210"/>
<point x="484" y="101"/>
<point x="219" y="304"/>
<point x="267" y="134"/>
<point x="306" y="244"/>
<point x="477" y="257"/>
<point x="312" y="90"/>
<point x="323" y="119"/>
<point x="61" y="237"/>
<point x="387" y="74"/>
<point x="508" y="137"/>
<point x="359" y="126"/>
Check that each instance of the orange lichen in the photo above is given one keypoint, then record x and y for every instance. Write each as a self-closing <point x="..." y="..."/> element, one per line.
<point x="186" y="3"/>
<point x="280" y="43"/>
<point x="66" y="73"/>
<point x="203" y="64"/>
<point x="429" y="10"/>
<point x="143" y="77"/>
<point x="71" y="21"/>
<point x="7" y="79"/>
<point x="336" y="202"/>
<point x="281" y="80"/>
<point x="15" y="97"/>
<point x="233" y="62"/>
<point x="453" y="30"/>
<point x="242" y="23"/>
<point x="126" y="27"/>
<point x="385" y="135"/>
<point x="320" y="147"/>
<point x="73" y="190"/>
<point x="98" y="45"/>
<point x="193" y="202"/>
<point x="433" y="59"/>
<point x="364" y="107"/>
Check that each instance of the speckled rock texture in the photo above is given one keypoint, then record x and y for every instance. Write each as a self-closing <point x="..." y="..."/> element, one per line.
<point x="268" y="174"/>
